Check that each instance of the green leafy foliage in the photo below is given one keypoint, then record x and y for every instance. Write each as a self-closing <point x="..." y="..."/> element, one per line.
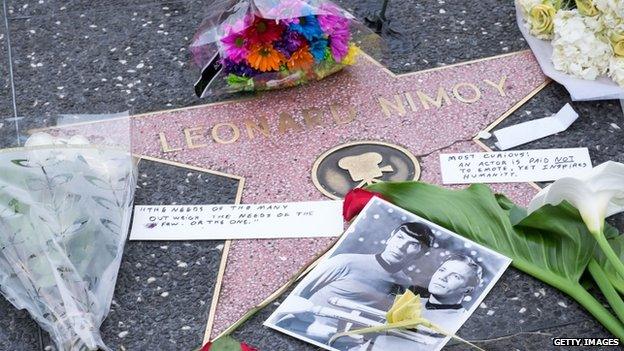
<point x="225" y="343"/>
<point x="551" y="243"/>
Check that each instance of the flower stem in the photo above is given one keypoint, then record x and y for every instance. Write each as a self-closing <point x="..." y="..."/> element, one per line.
<point x="594" y="307"/>
<point x="609" y="253"/>
<point x="578" y="293"/>
<point x="615" y="300"/>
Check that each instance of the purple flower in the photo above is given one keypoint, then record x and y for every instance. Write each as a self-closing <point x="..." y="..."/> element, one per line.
<point x="290" y="42"/>
<point x="238" y="68"/>
<point x="339" y="45"/>
<point x="332" y="21"/>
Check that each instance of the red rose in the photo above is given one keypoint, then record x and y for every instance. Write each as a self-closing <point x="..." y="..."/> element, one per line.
<point x="243" y="347"/>
<point x="355" y="201"/>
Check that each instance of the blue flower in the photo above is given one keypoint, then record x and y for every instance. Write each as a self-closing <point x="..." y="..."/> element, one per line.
<point x="317" y="48"/>
<point x="308" y="26"/>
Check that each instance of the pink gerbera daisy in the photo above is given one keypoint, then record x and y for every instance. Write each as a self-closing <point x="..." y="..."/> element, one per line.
<point x="236" y="46"/>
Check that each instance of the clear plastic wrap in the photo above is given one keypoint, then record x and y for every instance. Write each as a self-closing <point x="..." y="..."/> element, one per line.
<point x="65" y="207"/>
<point x="254" y="45"/>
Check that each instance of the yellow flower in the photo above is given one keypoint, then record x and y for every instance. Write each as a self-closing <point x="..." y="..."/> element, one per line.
<point x="541" y="19"/>
<point x="617" y="43"/>
<point x="405" y="313"/>
<point x="586" y="7"/>
<point x="406" y="307"/>
<point x="351" y="55"/>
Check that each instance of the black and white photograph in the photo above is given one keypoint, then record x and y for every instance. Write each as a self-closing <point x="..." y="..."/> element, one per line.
<point x="384" y="253"/>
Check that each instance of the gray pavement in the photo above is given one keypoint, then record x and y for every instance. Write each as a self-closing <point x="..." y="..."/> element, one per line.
<point x="82" y="56"/>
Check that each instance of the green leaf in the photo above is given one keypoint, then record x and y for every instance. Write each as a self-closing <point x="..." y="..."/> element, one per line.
<point x="76" y="226"/>
<point x="14" y="204"/>
<point x="110" y="225"/>
<point x="60" y="179"/>
<point x="225" y="343"/>
<point x="21" y="163"/>
<point x="551" y="243"/>
<point x="97" y="182"/>
<point x="104" y="202"/>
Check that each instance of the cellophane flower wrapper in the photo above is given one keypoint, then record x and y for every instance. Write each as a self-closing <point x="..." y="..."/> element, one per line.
<point x="65" y="207"/>
<point x="265" y="44"/>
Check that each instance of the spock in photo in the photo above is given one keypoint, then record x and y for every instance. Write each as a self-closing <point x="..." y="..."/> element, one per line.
<point x="331" y="297"/>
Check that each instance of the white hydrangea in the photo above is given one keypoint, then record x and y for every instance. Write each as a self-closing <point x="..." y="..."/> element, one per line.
<point x="612" y="11"/>
<point x="616" y="6"/>
<point x="578" y="49"/>
<point x="616" y="70"/>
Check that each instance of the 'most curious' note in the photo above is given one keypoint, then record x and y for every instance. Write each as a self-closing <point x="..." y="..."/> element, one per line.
<point x="514" y="166"/>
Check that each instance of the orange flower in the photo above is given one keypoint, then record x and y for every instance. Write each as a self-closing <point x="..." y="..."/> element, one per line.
<point x="265" y="58"/>
<point x="301" y="59"/>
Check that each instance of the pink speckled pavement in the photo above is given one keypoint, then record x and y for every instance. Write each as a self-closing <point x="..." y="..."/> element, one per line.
<point x="277" y="167"/>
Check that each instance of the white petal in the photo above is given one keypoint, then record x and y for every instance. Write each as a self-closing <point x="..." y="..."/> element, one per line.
<point x="39" y="139"/>
<point x="598" y="194"/>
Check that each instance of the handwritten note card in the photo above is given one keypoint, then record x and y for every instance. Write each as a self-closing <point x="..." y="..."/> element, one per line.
<point x="514" y="166"/>
<point x="213" y="222"/>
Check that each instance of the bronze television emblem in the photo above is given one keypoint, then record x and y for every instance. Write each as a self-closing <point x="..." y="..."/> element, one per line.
<point x="358" y="164"/>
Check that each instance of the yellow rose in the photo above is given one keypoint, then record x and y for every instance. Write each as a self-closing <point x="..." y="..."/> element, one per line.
<point x="617" y="43"/>
<point x="541" y="19"/>
<point x="586" y="7"/>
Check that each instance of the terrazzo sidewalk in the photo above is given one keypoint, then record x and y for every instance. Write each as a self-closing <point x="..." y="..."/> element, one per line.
<point x="82" y="56"/>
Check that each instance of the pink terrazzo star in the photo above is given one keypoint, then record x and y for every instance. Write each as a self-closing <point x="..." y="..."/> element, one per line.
<point x="273" y="140"/>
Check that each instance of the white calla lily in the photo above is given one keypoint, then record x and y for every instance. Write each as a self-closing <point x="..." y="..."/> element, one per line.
<point x="597" y="195"/>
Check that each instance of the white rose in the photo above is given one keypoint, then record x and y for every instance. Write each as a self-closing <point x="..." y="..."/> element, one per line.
<point x="42" y="151"/>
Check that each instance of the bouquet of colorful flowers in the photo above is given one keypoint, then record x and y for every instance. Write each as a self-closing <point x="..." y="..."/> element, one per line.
<point x="264" y="44"/>
<point x="586" y="38"/>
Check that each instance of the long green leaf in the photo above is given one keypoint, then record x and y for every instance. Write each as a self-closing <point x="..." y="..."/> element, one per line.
<point x="552" y="244"/>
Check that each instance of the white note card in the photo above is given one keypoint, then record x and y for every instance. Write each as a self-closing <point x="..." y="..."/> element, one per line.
<point x="514" y="166"/>
<point x="224" y="222"/>
<point x="536" y="129"/>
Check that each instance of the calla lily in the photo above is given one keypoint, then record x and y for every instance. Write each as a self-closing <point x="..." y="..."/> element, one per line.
<point x="597" y="195"/>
